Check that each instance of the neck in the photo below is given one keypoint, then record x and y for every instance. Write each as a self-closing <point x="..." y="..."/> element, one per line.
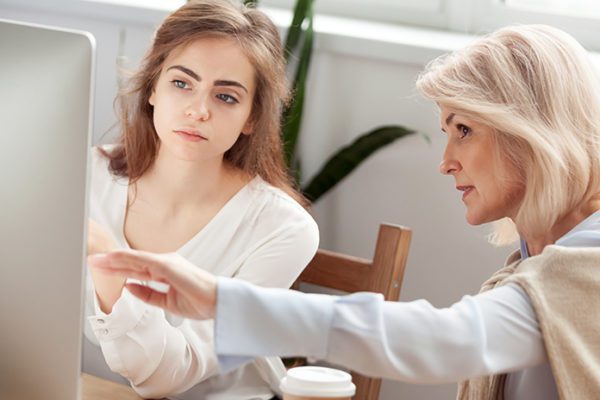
<point x="536" y="242"/>
<point x="179" y="183"/>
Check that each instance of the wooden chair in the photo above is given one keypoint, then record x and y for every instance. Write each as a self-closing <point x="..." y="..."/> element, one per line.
<point x="352" y="274"/>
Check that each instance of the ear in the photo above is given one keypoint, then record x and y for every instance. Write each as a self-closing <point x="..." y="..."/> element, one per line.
<point x="151" y="99"/>
<point x="248" y="127"/>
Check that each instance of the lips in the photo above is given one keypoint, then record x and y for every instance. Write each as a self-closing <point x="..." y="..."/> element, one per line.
<point x="190" y="134"/>
<point x="466" y="190"/>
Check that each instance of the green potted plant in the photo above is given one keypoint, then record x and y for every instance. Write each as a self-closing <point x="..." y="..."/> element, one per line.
<point x="299" y="44"/>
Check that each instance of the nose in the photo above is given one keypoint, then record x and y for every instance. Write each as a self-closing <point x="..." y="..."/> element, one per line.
<point x="198" y="109"/>
<point x="449" y="164"/>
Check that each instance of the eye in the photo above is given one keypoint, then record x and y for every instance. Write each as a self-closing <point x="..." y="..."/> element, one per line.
<point x="463" y="130"/>
<point x="226" y="98"/>
<point x="180" y="84"/>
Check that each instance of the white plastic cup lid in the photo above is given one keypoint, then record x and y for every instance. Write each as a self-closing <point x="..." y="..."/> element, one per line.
<point x="317" y="381"/>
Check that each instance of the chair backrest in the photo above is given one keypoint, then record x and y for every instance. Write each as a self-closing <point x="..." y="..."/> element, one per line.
<point x="352" y="274"/>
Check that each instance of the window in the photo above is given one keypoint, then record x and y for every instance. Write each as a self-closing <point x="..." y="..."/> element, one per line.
<point x="581" y="8"/>
<point x="580" y="18"/>
<point x="429" y="13"/>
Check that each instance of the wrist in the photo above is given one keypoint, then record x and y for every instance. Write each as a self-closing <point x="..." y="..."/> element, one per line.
<point x="108" y="289"/>
<point x="108" y="298"/>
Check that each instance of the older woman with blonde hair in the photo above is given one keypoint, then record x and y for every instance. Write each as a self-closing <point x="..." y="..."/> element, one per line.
<point x="520" y="109"/>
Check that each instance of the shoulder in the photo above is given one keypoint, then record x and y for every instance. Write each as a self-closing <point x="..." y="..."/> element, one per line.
<point x="279" y="210"/>
<point x="560" y="257"/>
<point x="276" y="202"/>
<point x="559" y="269"/>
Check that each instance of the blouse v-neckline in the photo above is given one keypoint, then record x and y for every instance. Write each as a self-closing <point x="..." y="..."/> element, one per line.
<point x="232" y="203"/>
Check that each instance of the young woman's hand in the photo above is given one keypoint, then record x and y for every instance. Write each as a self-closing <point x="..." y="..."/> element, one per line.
<point x="192" y="292"/>
<point x="108" y="287"/>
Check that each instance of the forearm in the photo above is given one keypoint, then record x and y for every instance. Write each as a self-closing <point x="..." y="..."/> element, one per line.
<point x="405" y="341"/>
<point x="158" y="358"/>
<point x="108" y="289"/>
<point x="487" y="334"/>
<point x="250" y="323"/>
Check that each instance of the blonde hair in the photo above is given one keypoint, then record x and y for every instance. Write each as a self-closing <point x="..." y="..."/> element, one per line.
<point x="538" y="89"/>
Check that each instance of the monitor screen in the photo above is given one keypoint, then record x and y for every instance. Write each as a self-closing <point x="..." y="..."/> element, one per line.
<point x="46" y="80"/>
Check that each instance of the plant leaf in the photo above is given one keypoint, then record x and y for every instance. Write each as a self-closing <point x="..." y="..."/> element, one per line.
<point x="294" y="32"/>
<point x="348" y="158"/>
<point x="292" y="115"/>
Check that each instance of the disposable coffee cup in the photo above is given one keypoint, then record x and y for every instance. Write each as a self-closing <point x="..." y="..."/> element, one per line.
<point x="317" y="383"/>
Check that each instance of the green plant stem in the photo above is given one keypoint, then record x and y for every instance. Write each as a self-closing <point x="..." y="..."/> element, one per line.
<point x="292" y="115"/>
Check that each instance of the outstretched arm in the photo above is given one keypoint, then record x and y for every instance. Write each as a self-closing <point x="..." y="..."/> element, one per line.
<point x="490" y="333"/>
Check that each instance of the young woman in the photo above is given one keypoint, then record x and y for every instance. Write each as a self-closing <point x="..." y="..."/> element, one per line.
<point x="199" y="171"/>
<point x="520" y="110"/>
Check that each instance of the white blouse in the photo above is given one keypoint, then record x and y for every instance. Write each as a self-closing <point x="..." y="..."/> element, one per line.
<point x="261" y="235"/>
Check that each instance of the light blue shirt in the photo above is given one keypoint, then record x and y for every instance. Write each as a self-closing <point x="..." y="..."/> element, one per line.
<point x="490" y="333"/>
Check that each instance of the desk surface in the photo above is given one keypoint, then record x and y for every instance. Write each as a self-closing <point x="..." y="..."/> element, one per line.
<point x="94" y="388"/>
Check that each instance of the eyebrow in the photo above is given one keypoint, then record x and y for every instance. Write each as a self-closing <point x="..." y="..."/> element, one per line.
<point x="220" y="82"/>
<point x="186" y="71"/>
<point x="230" y="83"/>
<point x="449" y="119"/>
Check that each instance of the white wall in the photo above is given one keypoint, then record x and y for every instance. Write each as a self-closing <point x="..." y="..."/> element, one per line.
<point x="356" y="83"/>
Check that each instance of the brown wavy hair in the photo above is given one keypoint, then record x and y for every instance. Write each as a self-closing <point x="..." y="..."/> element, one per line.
<point x="260" y="153"/>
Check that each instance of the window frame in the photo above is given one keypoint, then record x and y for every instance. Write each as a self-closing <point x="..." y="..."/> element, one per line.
<point x="470" y="17"/>
<point x="494" y="14"/>
<point x="424" y="13"/>
<point x="460" y="16"/>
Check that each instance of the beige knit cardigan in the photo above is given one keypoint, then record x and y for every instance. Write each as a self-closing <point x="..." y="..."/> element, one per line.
<point x="563" y="284"/>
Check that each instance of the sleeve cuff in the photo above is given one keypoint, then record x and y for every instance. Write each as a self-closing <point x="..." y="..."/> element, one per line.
<point x="125" y="316"/>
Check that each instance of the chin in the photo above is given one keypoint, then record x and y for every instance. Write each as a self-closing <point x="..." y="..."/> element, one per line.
<point x="183" y="153"/>
<point x="476" y="219"/>
<point x="473" y="222"/>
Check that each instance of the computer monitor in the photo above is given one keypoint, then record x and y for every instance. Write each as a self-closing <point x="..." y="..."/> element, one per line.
<point x="46" y="79"/>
